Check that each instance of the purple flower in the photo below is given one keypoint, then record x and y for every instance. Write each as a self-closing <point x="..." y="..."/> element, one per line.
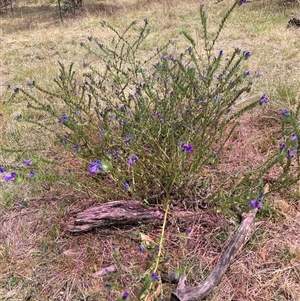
<point x="156" y="114"/>
<point x="75" y="148"/>
<point x="154" y="276"/>
<point x="294" y="137"/>
<point x="2" y="169"/>
<point x="108" y="285"/>
<point x="146" y="21"/>
<point x="126" y="186"/>
<point x="132" y="159"/>
<point x="284" y="112"/>
<point x="259" y="205"/>
<point x="141" y="249"/>
<point x="90" y="38"/>
<point x="20" y="204"/>
<point x="257" y="74"/>
<point x="246" y="53"/>
<point x="243" y="1"/>
<point x="171" y="57"/>
<point x="282" y="145"/>
<point x="127" y="138"/>
<point x="137" y="92"/>
<point x="255" y="204"/>
<point x="260" y="197"/>
<point x="63" y="118"/>
<point x="116" y="153"/>
<point x="27" y="162"/>
<point x="10" y="177"/>
<point x="291" y="153"/>
<point x="125" y="295"/>
<point x="175" y="275"/>
<point x="31" y="174"/>
<point x="187" y="232"/>
<point x="17" y="117"/>
<point x="95" y="167"/>
<point x="247" y="73"/>
<point x="221" y="53"/>
<point x="186" y="147"/>
<point x="263" y="99"/>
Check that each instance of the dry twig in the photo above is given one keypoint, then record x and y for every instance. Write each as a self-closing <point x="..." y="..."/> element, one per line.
<point x="241" y="236"/>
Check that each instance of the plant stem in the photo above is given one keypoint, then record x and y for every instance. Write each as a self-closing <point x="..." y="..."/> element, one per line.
<point x="162" y="235"/>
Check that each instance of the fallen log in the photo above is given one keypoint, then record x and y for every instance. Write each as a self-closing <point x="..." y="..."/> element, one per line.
<point x="115" y="213"/>
<point x="241" y="236"/>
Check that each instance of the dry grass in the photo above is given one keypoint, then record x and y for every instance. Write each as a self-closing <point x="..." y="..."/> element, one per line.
<point x="39" y="260"/>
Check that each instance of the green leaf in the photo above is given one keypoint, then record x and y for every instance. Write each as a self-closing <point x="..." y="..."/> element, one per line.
<point x="106" y="166"/>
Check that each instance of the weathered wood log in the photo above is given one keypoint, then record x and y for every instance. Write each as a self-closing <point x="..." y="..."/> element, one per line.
<point x="241" y="236"/>
<point x="116" y="213"/>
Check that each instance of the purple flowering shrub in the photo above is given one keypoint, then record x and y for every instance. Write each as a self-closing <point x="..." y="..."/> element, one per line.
<point x="148" y="125"/>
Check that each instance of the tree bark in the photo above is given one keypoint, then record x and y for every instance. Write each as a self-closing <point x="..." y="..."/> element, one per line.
<point x="60" y="12"/>
<point x="241" y="236"/>
<point x="116" y="213"/>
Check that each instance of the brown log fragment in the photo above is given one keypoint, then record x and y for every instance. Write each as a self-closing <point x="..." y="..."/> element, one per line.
<point x="241" y="236"/>
<point x="115" y="213"/>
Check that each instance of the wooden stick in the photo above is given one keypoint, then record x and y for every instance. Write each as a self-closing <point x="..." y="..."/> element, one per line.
<point x="241" y="236"/>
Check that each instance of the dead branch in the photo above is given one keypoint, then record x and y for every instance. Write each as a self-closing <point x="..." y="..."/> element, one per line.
<point x="241" y="236"/>
<point x="116" y="213"/>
